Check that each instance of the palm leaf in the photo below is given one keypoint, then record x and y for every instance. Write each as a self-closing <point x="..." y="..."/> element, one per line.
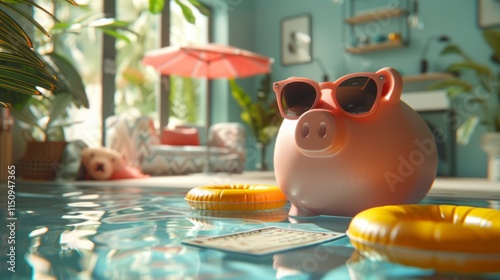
<point x="16" y="86"/>
<point x="26" y="77"/>
<point x="11" y="30"/>
<point x="7" y="45"/>
<point x="22" y="70"/>
<point x="20" y="61"/>
<point x="27" y="16"/>
<point x="21" y="76"/>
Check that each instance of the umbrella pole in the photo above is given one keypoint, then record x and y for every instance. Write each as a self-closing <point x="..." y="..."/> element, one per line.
<point x="206" y="165"/>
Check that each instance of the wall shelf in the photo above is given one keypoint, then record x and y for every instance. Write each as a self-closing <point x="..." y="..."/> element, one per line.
<point x="375" y="15"/>
<point x="426" y="77"/>
<point x="376" y="47"/>
<point x="377" y="28"/>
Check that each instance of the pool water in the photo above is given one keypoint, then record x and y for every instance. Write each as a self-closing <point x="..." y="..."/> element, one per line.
<point x="66" y="231"/>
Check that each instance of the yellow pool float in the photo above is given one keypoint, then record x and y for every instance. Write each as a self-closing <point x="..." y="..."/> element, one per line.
<point x="443" y="237"/>
<point x="240" y="197"/>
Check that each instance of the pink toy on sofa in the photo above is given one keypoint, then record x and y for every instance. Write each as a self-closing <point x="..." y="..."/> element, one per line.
<point x="349" y="145"/>
<point x="106" y="164"/>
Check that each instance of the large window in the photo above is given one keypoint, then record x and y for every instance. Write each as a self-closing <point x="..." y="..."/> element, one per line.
<point x="187" y="95"/>
<point x="77" y="40"/>
<point x="137" y="86"/>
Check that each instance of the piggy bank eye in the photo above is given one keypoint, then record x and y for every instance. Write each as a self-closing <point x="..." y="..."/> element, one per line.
<point x="297" y="98"/>
<point x="357" y="95"/>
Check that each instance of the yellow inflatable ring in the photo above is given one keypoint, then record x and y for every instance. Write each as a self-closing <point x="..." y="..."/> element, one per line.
<point x="443" y="237"/>
<point x="236" y="197"/>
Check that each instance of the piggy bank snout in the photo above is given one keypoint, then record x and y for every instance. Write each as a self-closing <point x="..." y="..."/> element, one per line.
<point x="317" y="133"/>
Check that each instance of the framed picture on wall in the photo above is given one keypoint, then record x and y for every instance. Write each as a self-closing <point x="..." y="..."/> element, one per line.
<point x="296" y="40"/>
<point x="488" y="13"/>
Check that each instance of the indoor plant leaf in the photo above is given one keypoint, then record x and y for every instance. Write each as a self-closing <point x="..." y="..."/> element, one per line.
<point x="58" y="107"/>
<point x="156" y="6"/>
<point x="246" y="118"/>
<point x="454" y="86"/>
<point x="27" y="117"/>
<point x="116" y="35"/>
<point x="203" y="10"/>
<point x="111" y="26"/>
<point x="480" y="69"/>
<point x="256" y="112"/>
<point x="186" y="11"/>
<point x="454" y="49"/>
<point x="464" y="132"/>
<point x="240" y="95"/>
<point x="70" y="79"/>
<point x="492" y="37"/>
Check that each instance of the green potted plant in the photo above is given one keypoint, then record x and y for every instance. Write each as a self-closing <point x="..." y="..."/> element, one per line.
<point x="478" y="85"/>
<point x="22" y="71"/>
<point x="261" y="115"/>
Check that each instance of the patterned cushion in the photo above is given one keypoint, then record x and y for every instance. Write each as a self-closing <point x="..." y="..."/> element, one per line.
<point x="131" y="136"/>
<point x="232" y="136"/>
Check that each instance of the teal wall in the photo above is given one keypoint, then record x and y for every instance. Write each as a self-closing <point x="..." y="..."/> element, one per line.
<point x="255" y="25"/>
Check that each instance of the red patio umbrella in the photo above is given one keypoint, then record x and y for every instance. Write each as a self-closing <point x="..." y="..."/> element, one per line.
<point x="209" y="61"/>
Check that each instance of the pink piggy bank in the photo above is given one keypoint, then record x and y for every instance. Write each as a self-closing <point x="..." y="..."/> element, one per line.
<point x="350" y="145"/>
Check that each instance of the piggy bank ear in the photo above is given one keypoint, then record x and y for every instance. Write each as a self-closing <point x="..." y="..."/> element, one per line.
<point x="391" y="92"/>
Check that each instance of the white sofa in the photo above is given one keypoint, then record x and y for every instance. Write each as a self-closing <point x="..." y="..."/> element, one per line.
<point x="136" y="138"/>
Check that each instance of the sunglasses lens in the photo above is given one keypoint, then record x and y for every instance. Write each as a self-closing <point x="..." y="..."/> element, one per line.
<point x="357" y="95"/>
<point x="297" y="98"/>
